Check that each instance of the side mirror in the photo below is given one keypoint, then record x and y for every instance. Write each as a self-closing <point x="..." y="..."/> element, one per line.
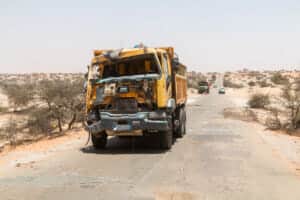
<point x="175" y="63"/>
<point x="171" y="105"/>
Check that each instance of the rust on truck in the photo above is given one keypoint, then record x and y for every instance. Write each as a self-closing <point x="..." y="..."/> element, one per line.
<point x="135" y="92"/>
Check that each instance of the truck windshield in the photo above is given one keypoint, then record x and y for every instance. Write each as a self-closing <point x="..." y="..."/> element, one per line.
<point x="203" y="83"/>
<point x="136" y="65"/>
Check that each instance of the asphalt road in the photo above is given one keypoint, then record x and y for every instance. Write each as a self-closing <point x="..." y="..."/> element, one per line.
<point x="217" y="159"/>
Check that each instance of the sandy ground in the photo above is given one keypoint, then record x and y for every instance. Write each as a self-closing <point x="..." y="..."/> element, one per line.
<point x="3" y="99"/>
<point x="28" y="154"/>
<point x="241" y="96"/>
<point x="287" y="146"/>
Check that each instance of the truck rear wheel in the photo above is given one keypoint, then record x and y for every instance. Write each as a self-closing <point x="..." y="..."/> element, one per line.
<point x="182" y="123"/>
<point x="99" y="141"/>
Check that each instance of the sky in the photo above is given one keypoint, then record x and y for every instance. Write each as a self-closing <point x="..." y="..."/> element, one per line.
<point x="210" y="35"/>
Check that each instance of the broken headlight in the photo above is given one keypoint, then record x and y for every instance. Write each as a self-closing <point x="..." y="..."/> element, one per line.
<point x="94" y="72"/>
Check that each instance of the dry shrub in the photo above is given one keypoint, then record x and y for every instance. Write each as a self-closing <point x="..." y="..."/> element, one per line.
<point x="291" y="102"/>
<point x="297" y="85"/>
<point x="244" y="114"/>
<point x="228" y="83"/>
<point x="11" y="131"/>
<point x="251" y="83"/>
<point x="273" y="121"/>
<point x="263" y="83"/>
<point x="278" y="79"/>
<point x="39" y="121"/>
<point x="194" y="78"/>
<point x="19" y="94"/>
<point x="3" y="109"/>
<point x="259" y="101"/>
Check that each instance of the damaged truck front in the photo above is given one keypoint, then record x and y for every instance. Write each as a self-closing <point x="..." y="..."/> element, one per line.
<point x="135" y="92"/>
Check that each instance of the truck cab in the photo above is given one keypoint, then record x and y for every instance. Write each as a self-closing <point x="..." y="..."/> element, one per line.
<point x="135" y="92"/>
<point x="203" y="87"/>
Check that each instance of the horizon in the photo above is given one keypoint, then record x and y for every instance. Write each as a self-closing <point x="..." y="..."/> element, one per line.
<point x="188" y="71"/>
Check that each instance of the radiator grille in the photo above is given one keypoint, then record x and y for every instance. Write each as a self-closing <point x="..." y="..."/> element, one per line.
<point x="126" y="104"/>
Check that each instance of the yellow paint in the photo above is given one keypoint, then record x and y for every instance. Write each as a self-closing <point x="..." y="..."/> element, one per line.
<point x="161" y="94"/>
<point x="147" y="66"/>
<point x="121" y="69"/>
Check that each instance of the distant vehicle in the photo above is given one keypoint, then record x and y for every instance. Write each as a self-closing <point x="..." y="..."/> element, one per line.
<point x="222" y="90"/>
<point x="203" y="87"/>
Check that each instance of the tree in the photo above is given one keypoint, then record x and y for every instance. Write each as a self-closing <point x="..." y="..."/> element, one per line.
<point x="75" y="104"/>
<point x="19" y="94"/>
<point x="63" y="99"/>
<point x="51" y="92"/>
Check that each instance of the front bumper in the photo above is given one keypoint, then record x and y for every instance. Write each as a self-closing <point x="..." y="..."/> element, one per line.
<point x="146" y="121"/>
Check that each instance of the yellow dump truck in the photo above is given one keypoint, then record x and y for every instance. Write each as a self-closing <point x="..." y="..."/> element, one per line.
<point x="136" y="92"/>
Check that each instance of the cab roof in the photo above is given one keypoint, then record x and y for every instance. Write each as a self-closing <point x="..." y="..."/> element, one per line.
<point x="101" y="55"/>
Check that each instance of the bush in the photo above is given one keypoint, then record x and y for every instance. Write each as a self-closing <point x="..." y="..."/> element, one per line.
<point x="264" y="83"/>
<point x="11" y="131"/>
<point x="254" y="74"/>
<point x="39" y="121"/>
<point x="214" y="77"/>
<point x="19" y="94"/>
<point x="259" y="78"/>
<point x="273" y="121"/>
<point x="230" y="84"/>
<point x="259" y="101"/>
<point x="3" y="109"/>
<point x="297" y="85"/>
<point x="278" y="79"/>
<point x="251" y="83"/>
<point x="291" y="102"/>
<point x="193" y="81"/>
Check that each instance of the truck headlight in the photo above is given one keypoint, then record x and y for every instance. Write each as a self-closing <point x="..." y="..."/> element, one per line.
<point x="157" y="115"/>
<point x="123" y="89"/>
<point x="93" y="72"/>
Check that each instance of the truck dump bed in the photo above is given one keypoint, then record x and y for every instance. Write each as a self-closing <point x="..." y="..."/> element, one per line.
<point x="180" y="85"/>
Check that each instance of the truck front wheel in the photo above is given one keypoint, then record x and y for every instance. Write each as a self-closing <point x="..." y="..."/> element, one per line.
<point x="99" y="141"/>
<point x="166" y="137"/>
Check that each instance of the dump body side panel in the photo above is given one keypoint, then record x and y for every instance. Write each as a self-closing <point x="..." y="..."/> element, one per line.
<point x="180" y="88"/>
<point x="180" y="84"/>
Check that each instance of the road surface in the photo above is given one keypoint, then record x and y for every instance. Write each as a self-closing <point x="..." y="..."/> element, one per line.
<point x="217" y="159"/>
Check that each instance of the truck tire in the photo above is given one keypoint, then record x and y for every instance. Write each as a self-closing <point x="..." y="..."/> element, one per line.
<point x="99" y="141"/>
<point x="180" y="132"/>
<point x="166" y="137"/>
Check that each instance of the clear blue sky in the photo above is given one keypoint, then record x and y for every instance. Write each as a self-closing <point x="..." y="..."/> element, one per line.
<point x="210" y="35"/>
